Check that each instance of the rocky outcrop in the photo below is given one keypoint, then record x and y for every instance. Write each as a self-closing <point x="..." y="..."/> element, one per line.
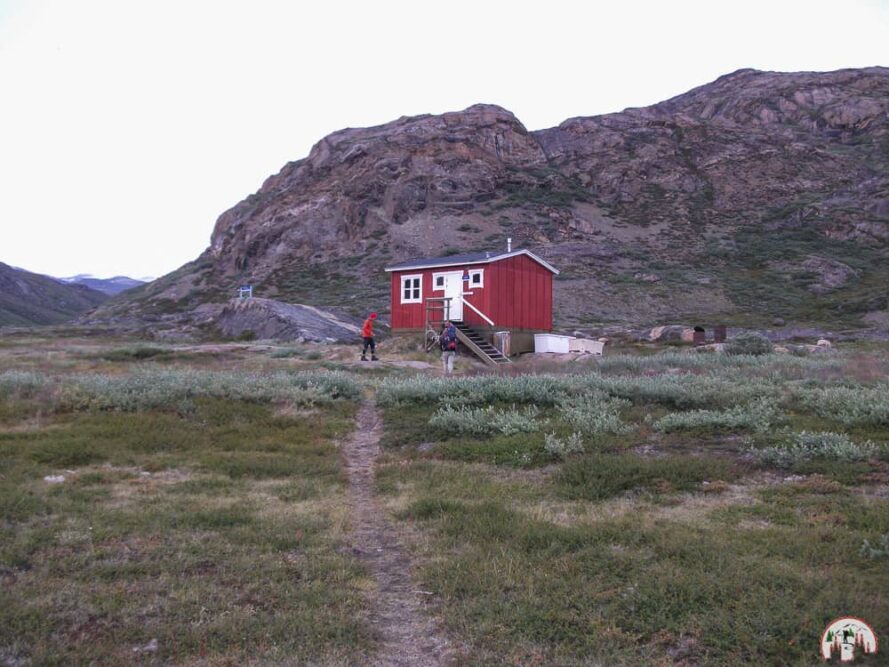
<point x="355" y="184"/>
<point x="747" y="144"/>
<point x="266" y="319"/>
<point x="719" y="201"/>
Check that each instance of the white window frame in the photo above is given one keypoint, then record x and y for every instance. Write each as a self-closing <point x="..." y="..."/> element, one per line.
<point x="418" y="289"/>
<point x="481" y="278"/>
<point x="435" y="277"/>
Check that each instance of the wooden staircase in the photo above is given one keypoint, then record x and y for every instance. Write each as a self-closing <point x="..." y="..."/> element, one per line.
<point x="479" y="346"/>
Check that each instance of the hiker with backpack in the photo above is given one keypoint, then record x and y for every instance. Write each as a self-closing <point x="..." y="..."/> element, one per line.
<point x="447" y="340"/>
<point x="367" y="334"/>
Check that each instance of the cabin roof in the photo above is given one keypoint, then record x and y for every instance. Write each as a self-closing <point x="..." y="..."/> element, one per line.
<point x="467" y="259"/>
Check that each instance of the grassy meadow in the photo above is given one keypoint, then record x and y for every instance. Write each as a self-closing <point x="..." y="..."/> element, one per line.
<point x="677" y="508"/>
<point x="172" y="504"/>
<point x="157" y="513"/>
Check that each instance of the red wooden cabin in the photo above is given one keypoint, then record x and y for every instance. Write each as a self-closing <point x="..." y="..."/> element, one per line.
<point x="489" y="291"/>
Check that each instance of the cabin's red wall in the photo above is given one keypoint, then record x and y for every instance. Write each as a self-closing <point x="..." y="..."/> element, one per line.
<point x="521" y="294"/>
<point x="409" y="315"/>
<point x="517" y="294"/>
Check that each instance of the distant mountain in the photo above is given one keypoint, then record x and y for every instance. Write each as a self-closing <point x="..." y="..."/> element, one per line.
<point x="111" y="286"/>
<point x="756" y="196"/>
<point x="28" y="299"/>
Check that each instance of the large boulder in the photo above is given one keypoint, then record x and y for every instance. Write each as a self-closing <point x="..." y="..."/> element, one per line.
<point x="671" y="332"/>
<point x="268" y="319"/>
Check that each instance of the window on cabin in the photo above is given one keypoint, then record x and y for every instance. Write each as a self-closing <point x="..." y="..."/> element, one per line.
<point x="411" y="290"/>
<point x="438" y="281"/>
<point x="477" y="278"/>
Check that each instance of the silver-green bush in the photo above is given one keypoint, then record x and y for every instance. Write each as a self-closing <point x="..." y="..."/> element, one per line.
<point x="759" y="416"/>
<point x="707" y="390"/>
<point x="525" y="389"/>
<point x="855" y="405"/>
<point x="463" y="420"/>
<point x="594" y="413"/>
<point x="805" y="446"/>
<point x="560" y="449"/>
<point x="21" y="384"/>
<point x="878" y="550"/>
<point x="159" y="389"/>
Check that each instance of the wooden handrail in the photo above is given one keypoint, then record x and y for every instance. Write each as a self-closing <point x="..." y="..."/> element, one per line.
<point x="479" y="313"/>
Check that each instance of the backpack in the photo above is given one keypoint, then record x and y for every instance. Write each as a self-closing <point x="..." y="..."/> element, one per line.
<point x="449" y="340"/>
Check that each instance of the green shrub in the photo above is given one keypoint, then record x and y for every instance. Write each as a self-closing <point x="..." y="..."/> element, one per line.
<point x="594" y="414"/>
<point x="684" y="391"/>
<point x="177" y="389"/>
<point x="510" y="422"/>
<point x="602" y="476"/>
<point x="419" y="390"/>
<point x="805" y="446"/>
<point x="878" y="550"/>
<point x="560" y="449"/>
<point x="749" y="343"/>
<point x="21" y="384"/>
<point x="464" y="420"/>
<point x="681" y="391"/>
<point x="757" y="416"/>
<point x="851" y="405"/>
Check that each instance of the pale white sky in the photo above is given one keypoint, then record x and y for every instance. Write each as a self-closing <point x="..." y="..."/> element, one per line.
<point x="127" y="127"/>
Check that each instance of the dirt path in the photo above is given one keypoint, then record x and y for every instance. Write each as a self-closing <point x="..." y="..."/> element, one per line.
<point x="410" y="637"/>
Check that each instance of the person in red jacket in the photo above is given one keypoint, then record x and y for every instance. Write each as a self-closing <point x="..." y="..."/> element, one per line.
<point x="367" y="333"/>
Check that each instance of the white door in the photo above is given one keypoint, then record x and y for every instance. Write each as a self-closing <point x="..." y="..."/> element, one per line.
<point x="454" y="290"/>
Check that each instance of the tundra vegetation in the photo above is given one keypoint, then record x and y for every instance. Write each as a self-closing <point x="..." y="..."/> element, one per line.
<point x="678" y="508"/>
<point x="171" y="515"/>
<point x="188" y="505"/>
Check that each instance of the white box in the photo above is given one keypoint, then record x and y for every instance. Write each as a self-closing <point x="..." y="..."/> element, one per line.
<point x="587" y="346"/>
<point x="552" y="343"/>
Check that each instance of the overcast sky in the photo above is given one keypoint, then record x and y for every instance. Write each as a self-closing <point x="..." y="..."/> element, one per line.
<point x="127" y="127"/>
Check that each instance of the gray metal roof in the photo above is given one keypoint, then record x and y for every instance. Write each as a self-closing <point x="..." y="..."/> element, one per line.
<point x="468" y="258"/>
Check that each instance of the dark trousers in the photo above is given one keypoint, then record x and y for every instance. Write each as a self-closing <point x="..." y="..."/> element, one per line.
<point x="369" y="342"/>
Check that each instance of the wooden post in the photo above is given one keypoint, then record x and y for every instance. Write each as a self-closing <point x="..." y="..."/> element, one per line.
<point x="438" y="311"/>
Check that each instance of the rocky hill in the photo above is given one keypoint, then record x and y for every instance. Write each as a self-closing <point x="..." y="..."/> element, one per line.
<point x="758" y="195"/>
<point x="28" y="299"/>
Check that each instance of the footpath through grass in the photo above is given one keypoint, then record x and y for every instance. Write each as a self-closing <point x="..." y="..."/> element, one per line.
<point x="659" y="510"/>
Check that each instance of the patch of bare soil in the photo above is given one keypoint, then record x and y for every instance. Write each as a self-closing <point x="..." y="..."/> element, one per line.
<point x="410" y="637"/>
